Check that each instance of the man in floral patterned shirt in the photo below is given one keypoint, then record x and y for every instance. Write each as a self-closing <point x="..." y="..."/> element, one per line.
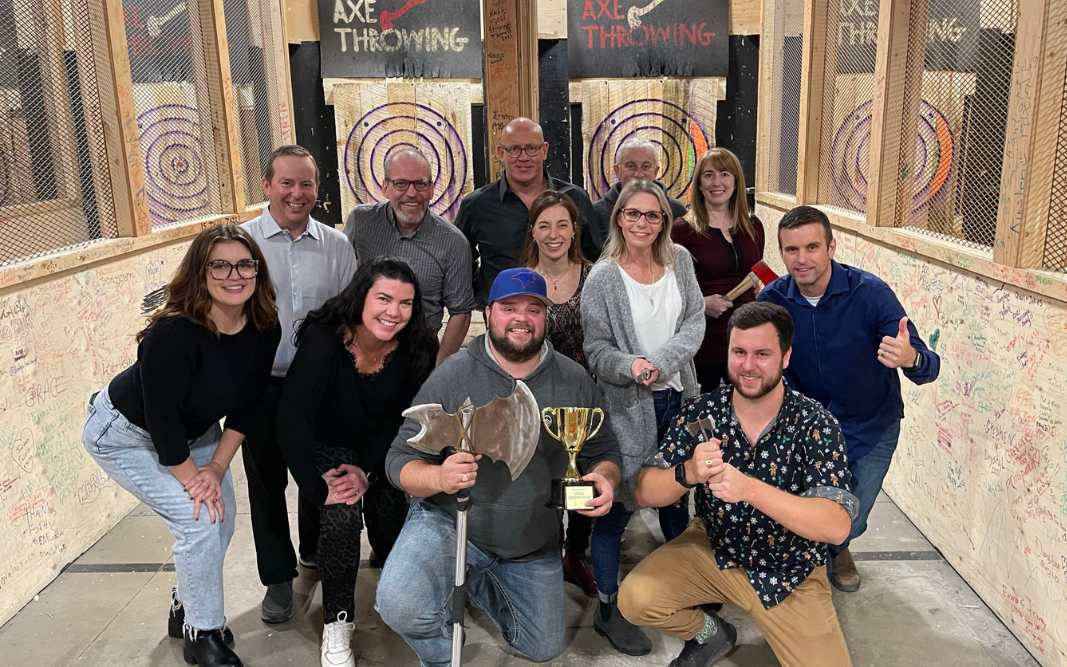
<point x="767" y="509"/>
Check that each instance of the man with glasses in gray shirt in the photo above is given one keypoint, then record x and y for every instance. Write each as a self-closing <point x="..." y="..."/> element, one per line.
<point x="494" y="217"/>
<point x="403" y="226"/>
<point x="309" y="262"/>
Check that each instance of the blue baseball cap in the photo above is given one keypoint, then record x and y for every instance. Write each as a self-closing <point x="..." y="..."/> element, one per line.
<point x="514" y="282"/>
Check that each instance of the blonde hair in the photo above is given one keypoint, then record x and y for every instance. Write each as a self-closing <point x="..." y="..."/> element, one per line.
<point x="720" y="159"/>
<point x="663" y="249"/>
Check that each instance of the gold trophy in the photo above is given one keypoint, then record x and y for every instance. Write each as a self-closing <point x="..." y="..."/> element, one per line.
<point x="572" y="427"/>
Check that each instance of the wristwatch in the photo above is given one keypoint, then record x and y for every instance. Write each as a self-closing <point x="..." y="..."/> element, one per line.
<point x="918" y="361"/>
<point x="679" y="476"/>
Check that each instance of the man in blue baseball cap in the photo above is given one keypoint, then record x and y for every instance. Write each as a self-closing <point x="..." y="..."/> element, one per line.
<point x="514" y="569"/>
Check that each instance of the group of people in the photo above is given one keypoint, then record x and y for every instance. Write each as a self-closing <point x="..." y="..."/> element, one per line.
<point x="780" y="412"/>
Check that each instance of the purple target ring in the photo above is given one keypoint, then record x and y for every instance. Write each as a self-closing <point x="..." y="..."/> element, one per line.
<point x="679" y="138"/>
<point x="175" y="180"/>
<point x="850" y="157"/>
<point x="397" y="125"/>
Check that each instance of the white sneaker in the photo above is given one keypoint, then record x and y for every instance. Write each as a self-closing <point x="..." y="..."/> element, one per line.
<point x="336" y="638"/>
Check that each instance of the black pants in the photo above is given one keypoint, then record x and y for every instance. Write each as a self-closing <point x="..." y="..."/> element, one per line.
<point x="710" y="376"/>
<point x="579" y="527"/>
<point x="267" y="478"/>
<point x="384" y="507"/>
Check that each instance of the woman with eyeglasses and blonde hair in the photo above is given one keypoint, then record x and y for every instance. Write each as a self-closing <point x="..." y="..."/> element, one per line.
<point x="154" y="429"/>
<point x="644" y="320"/>
<point x="553" y="249"/>
<point x="725" y="240"/>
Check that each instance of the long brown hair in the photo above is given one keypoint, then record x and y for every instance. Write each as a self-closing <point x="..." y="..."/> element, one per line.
<point x="187" y="294"/>
<point x="720" y="159"/>
<point x="663" y="249"/>
<point x="543" y="202"/>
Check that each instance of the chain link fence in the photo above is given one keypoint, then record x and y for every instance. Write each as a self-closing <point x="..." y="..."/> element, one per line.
<point x="848" y="87"/>
<point x="55" y="190"/>
<point x="165" y="42"/>
<point x="954" y="135"/>
<point x="256" y="101"/>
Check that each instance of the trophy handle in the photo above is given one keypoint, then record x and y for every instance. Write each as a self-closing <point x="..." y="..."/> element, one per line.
<point x="549" y="415"/>
<point x="593" y="431"/>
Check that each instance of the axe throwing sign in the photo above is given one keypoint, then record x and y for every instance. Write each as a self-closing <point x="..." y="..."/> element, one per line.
<point x="626" y="38"/>
<point x="409" y="38"/>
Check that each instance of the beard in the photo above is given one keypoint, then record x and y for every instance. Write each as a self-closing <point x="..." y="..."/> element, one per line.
<point x="516" y="354"/>
<point x="765" y="387"/>
<point x="410" y="219"/>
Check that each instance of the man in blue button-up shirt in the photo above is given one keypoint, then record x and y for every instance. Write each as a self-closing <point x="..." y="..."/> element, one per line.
<point x="851" y="336"/>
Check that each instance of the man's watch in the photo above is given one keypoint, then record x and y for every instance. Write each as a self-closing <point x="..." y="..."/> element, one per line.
<point x="679" y="476"/>
<point x="918" y="361"/>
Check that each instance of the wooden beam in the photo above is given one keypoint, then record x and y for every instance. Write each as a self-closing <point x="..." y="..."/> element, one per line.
<point x="301" y="20"/>
<point x="816" y="62"/>
<point x="510" y="69"/>
<point x="895" y="113"/>
<point x="1034" y="107"/>
<point x="746" y="16"/>
<point x="223" y="109"/>
<point x="287" y="135"/>
<point x="118" y="114"/>
<point x="769" y="114"/>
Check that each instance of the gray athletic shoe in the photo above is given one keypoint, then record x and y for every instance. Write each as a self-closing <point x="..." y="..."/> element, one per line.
<point x="277" y="604"/>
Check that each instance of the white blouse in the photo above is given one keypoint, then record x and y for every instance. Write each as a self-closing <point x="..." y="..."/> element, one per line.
<point x="656" y="309"/>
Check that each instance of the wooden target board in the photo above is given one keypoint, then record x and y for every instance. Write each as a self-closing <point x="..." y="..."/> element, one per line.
<point x="376" y="118"/>
<point x="676" y="115"/>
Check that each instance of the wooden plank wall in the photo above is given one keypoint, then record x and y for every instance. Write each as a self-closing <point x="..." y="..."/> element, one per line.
<point x="374" y="116"/>
<point x="678" y="115"/>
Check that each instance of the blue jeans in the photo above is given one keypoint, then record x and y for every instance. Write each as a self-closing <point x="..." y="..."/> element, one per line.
<point x="868" y="473"/>
<point x="125" y="452"/>
<point x="524" y="599"/>
<point x="606" y="542"/>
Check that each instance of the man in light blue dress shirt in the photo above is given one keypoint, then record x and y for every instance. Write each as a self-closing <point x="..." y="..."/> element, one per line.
<point x="309" y="263"/>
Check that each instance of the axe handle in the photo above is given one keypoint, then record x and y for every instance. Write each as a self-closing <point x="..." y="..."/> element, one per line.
<point x="745" y="285"/>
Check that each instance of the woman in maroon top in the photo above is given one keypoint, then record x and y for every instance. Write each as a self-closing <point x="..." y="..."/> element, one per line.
<point x="725" y="242"/>
<point x="553" y="249"/>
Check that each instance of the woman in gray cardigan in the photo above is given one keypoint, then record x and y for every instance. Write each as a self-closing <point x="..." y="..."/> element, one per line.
<point x="643" y="315"/>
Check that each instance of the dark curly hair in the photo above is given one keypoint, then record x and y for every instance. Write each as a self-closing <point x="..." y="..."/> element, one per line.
<point x="344" y="311"/>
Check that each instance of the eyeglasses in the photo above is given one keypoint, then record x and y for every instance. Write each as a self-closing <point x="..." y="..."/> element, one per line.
<point x="633" y="215"/>
<point x="402" y="185"/>
<point x="220" y="269"/>
<point x="516" y="151"/>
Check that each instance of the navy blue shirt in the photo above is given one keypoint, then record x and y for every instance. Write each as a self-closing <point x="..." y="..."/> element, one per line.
<point x="835" y="352"/>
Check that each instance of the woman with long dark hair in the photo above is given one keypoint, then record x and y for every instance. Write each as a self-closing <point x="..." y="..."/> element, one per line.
<point x="553" y="249"/>
<point x="207" y="354"/>
<point x="360" y="360"/>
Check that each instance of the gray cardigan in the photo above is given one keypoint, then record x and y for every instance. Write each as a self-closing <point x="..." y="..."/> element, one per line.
<point x="611" y="346"/>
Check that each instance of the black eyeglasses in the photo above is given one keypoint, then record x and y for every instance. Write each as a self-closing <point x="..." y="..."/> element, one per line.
<point x="402" y="184"/>
<point x="220" y="269"/>
<point x="633" y="215"/>
<point x="516" y="151"/>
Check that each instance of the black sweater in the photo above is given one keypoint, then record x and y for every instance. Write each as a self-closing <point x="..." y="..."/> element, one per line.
<point x="185" y="380"/>
<point x="326" y="403"/>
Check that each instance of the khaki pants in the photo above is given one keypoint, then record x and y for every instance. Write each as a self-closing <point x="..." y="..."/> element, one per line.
<point x="664" y="590"/>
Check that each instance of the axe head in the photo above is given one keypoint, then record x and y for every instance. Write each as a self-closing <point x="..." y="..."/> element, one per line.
<point x="764" y="273"/>
<point x="505" y="429"/>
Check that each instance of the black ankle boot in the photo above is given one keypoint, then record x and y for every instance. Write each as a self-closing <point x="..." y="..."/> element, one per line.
<point x="207" y="648"/>
<point x="177" y="620"/>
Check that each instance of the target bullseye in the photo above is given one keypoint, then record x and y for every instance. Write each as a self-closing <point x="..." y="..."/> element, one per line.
<point x="175" y="180"/>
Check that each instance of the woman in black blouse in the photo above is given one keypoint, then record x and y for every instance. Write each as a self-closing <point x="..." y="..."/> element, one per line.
<point x="553" y="249"/>
<point x="155" y="428"/>
<point x="360" y="360"/>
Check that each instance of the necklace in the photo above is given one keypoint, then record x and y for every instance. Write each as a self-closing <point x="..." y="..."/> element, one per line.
<point x="555" y="281"/>
<point x="643" y="287"/>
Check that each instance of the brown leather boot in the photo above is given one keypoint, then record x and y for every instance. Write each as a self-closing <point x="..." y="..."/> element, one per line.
<point x="577" y="571"/>
<point x="844" y="575"/>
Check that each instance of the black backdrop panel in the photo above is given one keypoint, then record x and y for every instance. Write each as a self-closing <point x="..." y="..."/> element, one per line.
<point x="409" y="38"/>
<point x="625" y="38"/>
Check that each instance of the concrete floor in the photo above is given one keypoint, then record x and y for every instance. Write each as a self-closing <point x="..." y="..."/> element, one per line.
<point x="110" y="608"/>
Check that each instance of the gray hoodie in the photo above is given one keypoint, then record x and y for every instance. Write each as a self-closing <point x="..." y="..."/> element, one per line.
<point x="508" y="519"/>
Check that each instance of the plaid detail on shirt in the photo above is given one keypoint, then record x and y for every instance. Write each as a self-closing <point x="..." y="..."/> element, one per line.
<point x="437" y="252"/>
<point x="801" y="452"/>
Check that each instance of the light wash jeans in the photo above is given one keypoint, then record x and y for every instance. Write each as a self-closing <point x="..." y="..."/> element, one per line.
<point x="868" y="473"/>
<point x="523" y="598"/>
<point x="126" y="454"/>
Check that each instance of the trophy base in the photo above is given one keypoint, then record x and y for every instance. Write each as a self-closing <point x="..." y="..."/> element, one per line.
<point x="571" y="495"/>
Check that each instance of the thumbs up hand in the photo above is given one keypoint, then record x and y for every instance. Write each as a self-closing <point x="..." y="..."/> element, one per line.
<point x="896" y="351"/>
